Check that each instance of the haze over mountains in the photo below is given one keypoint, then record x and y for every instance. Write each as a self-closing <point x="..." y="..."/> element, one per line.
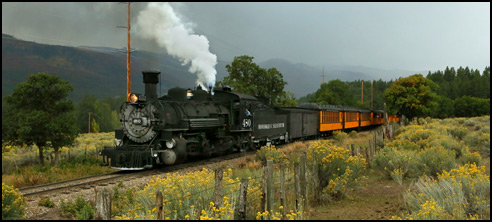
<point x="101" y="71"/>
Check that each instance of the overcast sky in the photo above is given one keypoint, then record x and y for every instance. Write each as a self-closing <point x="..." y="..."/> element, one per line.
<point x="411" y="36"/>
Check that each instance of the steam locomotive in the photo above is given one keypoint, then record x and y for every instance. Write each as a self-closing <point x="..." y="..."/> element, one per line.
<point x="184" y="123"/>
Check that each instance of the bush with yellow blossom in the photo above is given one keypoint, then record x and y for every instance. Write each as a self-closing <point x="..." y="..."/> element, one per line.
<point x="190" y="196"/>
<point x="458" y="194"/>
<point x="13" y="203"/>
<point x="270" y="152"/>
<point x="426" y="149"/>
<point x="335" y="168"/>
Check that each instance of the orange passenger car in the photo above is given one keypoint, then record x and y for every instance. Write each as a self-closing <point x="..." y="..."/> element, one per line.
<point x="393" y="118"/>
<point x="330" y="118"/>
<point x="377" y="117"/>
<point x="351" y="117"/>
<point x="365" y="117"/>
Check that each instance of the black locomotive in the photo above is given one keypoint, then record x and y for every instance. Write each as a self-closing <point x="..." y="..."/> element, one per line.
<point x="169" y="129"/>
<point x="184" y="123"/>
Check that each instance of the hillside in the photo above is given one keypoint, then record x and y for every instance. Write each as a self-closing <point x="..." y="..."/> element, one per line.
<point x="101" y="71"/>
<point x="98" y="71"/>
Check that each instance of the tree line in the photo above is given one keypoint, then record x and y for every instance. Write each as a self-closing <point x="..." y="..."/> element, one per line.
<point x="355" y="93"/>
<point x="442" y="94"/>
<point x="461" y="93"/>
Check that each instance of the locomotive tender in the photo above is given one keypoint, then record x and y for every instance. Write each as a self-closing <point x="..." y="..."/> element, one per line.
<point x="184" y="123"/>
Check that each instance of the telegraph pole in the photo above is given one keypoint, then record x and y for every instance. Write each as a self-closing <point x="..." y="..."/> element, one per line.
<point x="128" y="64"/>
<point x="362" y="94"/>
<point x="128" y="72"/>
<point x="89" y="122"/>
<point x="371" y="95"/>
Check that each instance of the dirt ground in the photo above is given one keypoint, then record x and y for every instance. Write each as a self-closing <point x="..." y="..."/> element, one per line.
<point x="379" y="199"/>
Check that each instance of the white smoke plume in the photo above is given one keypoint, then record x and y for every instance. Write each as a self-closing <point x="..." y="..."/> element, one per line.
<point x="158" y="21"/>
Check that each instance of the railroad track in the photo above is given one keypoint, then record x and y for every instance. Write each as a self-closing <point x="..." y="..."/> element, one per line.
<point x="89" y="182"/>
<point x="84" y="182"/>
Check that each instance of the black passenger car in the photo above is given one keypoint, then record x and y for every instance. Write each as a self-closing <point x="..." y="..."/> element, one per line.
<point x="302" y="123"/>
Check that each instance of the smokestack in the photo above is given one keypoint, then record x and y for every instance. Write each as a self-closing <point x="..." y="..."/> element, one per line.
<point x="151" y="78"/>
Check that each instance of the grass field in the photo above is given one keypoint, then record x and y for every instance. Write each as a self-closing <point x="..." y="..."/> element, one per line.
<point x="20" y="165"/>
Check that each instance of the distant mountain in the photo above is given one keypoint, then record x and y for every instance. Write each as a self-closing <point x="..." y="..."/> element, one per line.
<point x="101" y="71"/>
<point x="304" y="79"/>
<point x="86" y="70"/>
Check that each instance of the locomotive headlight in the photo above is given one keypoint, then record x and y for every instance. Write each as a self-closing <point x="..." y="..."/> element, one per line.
<point x="118" y="142"/>
<point x="171" y="143"/>
<point x="133" y="98"/>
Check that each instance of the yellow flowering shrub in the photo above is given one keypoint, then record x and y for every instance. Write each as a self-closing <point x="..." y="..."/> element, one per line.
<point x="270" y="153"/>
<point x="430" y="210"/>
<point x="336" y="168"/>
<point x="277" y="215"/>
<point x="13" y="203"/>
<point x="426" y="148"/>
<point x="190" y="196"/>
<point x="461" y="193"/>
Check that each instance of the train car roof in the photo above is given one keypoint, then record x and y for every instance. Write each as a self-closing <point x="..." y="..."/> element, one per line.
<point x="354" y="109"/>
<point x="308" y="106"/>
<point x="240" y="96"/>
<point x="330" y="107"/>
<point x="377" y="110"/>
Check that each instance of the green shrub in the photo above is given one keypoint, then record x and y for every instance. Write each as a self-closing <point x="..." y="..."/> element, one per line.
<point x="469" y="122"/>
<point x="340" y="136"/>
<point x="397" y="175"/>
<point x="67" y="209"/>
<point x="13" y="203"/>
<point x="435" y="159"/>
<point x="403" y="145"/>
<point x="352" y="134"/>
<point x="389" y="159"/>
<point x="86" y="213"/>
<point x="78" y="209"/>
<point x="479" y="141"/>
<point x="421" y="121"/>
<point x="458" y="132"/>
<point x="46" y="202"/>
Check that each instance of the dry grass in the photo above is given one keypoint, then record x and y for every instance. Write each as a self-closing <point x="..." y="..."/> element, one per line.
<point x="361" y="139"/>
<point x="295" y="148"/>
